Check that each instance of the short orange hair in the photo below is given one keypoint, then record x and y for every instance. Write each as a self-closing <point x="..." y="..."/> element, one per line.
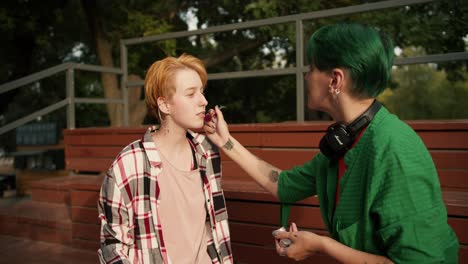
<point x="160" y="76"/>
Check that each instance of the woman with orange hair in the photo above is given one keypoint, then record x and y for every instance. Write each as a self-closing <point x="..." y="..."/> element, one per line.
<point x="161" y="199"/>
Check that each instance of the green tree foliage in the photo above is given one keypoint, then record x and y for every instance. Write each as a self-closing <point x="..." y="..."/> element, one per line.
<point x="40" y="34"/>
<point x="425" y="92"/>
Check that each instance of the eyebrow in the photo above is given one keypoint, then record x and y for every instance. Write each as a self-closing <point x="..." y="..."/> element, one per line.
<point x="189" y="89"/>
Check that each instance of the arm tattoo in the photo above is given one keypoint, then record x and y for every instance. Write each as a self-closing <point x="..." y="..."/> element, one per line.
<point x="274" y="175"/>
<point x="229" y="145"/>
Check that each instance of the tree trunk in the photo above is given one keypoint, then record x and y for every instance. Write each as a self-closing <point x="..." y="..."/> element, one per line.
<point x="137" y="106"/>
<point x="104" y="53"/>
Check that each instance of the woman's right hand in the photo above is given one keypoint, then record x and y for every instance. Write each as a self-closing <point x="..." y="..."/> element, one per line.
<point x="216" y="127"/>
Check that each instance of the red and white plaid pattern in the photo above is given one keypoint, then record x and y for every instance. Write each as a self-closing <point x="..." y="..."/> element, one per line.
<point x="131" y="230"/>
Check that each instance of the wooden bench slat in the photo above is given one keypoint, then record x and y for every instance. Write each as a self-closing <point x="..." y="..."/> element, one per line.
<point x="450" y="159"/>
<point x="281" y="157"/>
<point x="453" y="178"/>
<point x="432" y="139"/>
<point x="444" y="139"/>
<point x="245" y="253"/>
<point x="92" y="165"/>
<point x="460" y="226"/>
<point x="258" y="234"/>
<point x="447" y="178"/>
<point x="267" y="213"/>
<point x="101" y="140"/>
<point x="92" y="151"/>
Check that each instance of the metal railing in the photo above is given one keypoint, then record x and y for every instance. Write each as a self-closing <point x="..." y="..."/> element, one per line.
<point x="70" y="99"/>
<point x="297" y="70"/>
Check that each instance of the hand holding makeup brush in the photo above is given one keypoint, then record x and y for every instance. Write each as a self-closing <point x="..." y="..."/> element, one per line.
<point x="216" y="127"/>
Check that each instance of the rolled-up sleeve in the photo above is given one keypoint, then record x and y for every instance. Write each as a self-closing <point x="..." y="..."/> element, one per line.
<point x="299" y="182"/>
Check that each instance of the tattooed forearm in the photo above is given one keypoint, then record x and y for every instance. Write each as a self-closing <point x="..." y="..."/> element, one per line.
<point x="229" y="145"/>
<point x="274" y="176"/>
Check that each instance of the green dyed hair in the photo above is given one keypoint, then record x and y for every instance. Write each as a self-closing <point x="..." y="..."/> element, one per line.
<point x="366" y="53"/>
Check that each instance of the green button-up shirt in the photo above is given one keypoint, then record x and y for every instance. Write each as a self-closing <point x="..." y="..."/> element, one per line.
<point x="390" y="197"/>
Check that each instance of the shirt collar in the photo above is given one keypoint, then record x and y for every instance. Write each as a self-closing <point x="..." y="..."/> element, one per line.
<point x="199" y="141"/>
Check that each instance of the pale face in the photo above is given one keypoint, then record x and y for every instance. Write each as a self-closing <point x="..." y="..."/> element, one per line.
<point x="187" y="105"/>
<point x="319" y="96"/>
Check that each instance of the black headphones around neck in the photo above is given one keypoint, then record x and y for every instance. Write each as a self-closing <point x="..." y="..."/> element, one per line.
<point x="340" y="137"/>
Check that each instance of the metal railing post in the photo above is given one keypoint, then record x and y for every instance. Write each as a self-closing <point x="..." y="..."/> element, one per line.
<point x="70" y="87"/>
<point x="299" y="75"/>
<point x="123" y="82"/>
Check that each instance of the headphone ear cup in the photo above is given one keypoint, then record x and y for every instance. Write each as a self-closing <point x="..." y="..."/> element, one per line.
<point x="336" y="141"/>
<point x="339" y="137"/>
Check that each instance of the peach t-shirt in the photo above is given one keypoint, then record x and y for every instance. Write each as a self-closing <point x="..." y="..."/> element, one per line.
<point x="183" y="215"/>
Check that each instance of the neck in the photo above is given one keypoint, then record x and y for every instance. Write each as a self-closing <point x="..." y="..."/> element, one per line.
<point x="171" y="138"/>
<point x="349" y="109"/>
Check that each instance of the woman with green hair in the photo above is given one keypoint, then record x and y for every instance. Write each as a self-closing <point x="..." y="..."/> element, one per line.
<point x="378" y="188"/>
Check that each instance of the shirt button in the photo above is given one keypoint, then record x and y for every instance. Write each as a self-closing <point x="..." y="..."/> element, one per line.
<point x="208" y="201"/>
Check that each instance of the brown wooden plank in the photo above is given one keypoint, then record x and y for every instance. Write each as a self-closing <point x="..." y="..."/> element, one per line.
<point x="450" y="159"/>
<point x="437" y="125"/>
<point x="292" y="139"/>
<point x="249" y="190"/>
<point x="120" y="140"/>
<point x="284" y="157"/>
<point x="92" y="151"/>
<point x="244" y="253"/>
<point x="258" y="234"/>
<point x="268" y="213"/>
<point x="456" y="202"/>
<point x="86" y="182"/>
<point x="463" y="254"/>
<point x="85" y="231"/>
<point x="232" y="171"/>
<point x="460" y="226"/>
<point x="248" y="139"/>
<point x="453" y="178"/>
<point x="83" y="198"/>
<point x="104" y="131"/>
<point x="447" y="178"/>
<point x="85" y="164"/>
<point x="86" y="244"/>
<point x="445" y="139"/>
<point x="443" y="159"/>
<point x="418" y="125"/>
<point x="85" y="215"/>
<point x="251" y="254"/>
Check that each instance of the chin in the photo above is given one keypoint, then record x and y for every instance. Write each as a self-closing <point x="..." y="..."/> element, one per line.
<point x="196" y="126"/>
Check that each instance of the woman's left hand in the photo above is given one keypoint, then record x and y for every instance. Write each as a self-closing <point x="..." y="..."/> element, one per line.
<point x="304" y="244"/>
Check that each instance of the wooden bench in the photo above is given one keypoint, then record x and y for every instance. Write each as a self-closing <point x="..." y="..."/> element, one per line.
<point x="253" y="213"/>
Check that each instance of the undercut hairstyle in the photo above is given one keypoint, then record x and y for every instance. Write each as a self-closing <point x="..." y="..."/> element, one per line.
<point x="362" y="50"/>
<point x="159" y="80"/>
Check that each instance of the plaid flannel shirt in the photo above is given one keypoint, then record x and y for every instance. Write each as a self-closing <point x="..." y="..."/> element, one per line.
<point x="131" y="230"/>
